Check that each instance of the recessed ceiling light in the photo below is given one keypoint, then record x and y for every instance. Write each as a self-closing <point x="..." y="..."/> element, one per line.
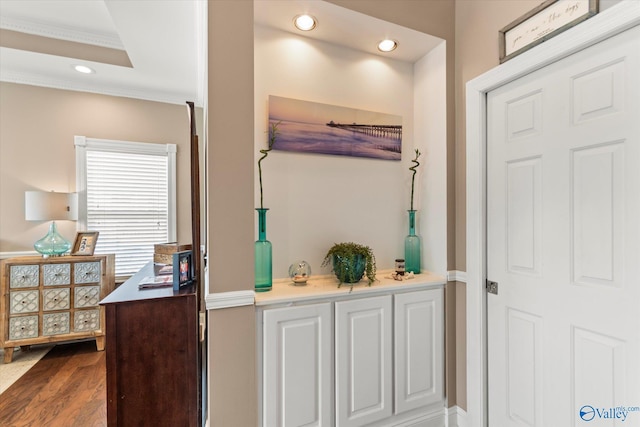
<point x="83" y="69"/>
<point x="305" y="22"/>
<point x="387" y="45"/>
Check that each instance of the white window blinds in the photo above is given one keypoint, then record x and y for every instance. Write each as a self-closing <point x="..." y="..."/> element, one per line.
<point x="128" y="196"/>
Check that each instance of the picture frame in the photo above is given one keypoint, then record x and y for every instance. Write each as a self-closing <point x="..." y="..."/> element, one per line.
<point x="85" y="243"/>
<point x="547" y="20"/>
<point x="182" y="269"/>
<point x="316" y="128"/>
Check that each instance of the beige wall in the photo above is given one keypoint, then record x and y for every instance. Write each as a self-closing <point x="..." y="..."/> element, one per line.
<point x="37" y="126"/>
<point x="233" y="388"/>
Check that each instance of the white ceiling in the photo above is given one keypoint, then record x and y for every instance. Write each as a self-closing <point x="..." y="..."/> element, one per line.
<point x="345" y="27"/>
<point x="165" y="41"/>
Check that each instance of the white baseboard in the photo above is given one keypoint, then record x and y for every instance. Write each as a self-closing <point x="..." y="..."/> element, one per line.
<point x="456" y="417"/>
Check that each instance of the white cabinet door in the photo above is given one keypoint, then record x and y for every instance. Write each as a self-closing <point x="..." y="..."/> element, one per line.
<point x="363" y="361"/>
<point x="297" y="366"/>
<point x="418" y="331"/>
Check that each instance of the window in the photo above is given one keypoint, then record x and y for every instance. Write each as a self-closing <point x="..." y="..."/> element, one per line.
<point x="127" y="192"/>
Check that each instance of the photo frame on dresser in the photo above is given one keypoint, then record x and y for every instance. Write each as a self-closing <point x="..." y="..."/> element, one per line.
<point x="85" y="243"/>
<point x="182" y="269"/>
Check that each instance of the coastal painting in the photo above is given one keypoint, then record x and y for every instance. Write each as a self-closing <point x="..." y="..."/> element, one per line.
<point x="311" y="127"/>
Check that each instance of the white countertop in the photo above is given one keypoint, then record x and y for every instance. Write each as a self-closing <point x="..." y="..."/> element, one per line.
<point x="284" y="291"/>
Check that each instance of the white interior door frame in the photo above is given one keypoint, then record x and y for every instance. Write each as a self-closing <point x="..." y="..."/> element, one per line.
<point x="613" y="21"/>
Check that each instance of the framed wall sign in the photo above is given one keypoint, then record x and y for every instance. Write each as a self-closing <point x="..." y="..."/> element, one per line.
<point x="182" y="269"/>
<point x="545" y="21"/>
<point x="85" y="243"/>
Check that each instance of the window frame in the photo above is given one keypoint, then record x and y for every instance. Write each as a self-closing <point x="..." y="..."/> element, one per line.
<point x="84" y="144"/>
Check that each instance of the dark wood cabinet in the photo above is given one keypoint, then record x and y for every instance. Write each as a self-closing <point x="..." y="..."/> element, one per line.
<point x="152" y="345"/>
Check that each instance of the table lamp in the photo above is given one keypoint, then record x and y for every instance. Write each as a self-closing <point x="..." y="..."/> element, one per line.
<point x="51" y="206"/>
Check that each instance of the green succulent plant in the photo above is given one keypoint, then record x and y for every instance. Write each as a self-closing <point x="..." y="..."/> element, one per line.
<point x="344" y="259"/>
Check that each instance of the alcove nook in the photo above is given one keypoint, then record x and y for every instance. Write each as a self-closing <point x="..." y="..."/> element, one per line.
<point x="304" y="339"/>
<point x="317" y="200"/>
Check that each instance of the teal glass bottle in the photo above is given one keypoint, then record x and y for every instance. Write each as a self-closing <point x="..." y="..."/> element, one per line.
<point x="263" y="263"/>
<point x="412" y="247"/>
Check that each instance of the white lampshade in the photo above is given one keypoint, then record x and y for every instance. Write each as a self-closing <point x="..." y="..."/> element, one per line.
<point x="50" y="206"/>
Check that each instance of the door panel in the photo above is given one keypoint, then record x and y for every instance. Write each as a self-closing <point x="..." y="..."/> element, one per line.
<point x="563" y="233"/>
<point x="297" y="366"/>
<point x="417" y="349"/>
<point x="363" y="361"/>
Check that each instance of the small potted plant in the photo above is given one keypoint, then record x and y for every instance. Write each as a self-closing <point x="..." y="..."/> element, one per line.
<point x="351" y="261"/>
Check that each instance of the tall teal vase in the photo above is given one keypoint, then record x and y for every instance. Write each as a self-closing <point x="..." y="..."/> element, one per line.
<point x="263" y="263"/>
<point x="412" y="246"/>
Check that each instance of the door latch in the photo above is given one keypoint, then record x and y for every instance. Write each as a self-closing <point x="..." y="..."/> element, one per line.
<point x="492" y="287"/>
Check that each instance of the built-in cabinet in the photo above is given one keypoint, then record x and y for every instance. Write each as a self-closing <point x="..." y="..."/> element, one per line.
<point x="353" y="360"/>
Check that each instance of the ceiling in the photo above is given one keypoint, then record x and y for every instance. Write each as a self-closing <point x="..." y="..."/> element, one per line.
<point x="142" y="49"/>
<point x="156" y="50"/>
<point x="345" y="27"/>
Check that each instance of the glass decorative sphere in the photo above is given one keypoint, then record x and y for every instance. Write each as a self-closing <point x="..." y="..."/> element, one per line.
<point x="299" y="272"/>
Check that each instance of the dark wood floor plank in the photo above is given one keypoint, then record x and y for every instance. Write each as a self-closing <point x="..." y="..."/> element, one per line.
<point x="66" y="388"/>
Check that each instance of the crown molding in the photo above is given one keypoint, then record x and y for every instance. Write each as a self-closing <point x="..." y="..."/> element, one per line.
<point x="44" y="81"/>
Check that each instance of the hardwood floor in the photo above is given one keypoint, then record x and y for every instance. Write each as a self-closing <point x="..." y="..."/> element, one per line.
<point x="66" y="388"/>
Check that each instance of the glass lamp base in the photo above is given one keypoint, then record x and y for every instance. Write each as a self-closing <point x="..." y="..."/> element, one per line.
<point x="53" y="244"/>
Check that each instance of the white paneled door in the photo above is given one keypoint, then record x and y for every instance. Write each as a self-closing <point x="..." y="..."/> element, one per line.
<point x="563" y="237"/>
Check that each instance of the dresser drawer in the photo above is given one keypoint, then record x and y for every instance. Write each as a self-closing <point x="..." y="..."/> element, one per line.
<point x="86" y="296"/>
<point x="24" y="276"/>
<point x="56" y="274"/>
<point x="86" y="320"/>
<point x="86" y="272"/>
<point x="24" y="301"/>
<point x="23" y="327"/>
<point x="56" y="299"/>
<point x="55" y="323"/>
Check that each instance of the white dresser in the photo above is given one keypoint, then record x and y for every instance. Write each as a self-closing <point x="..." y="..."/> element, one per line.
<point x="339" y="357"/>
<point x="53" y="299"/>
